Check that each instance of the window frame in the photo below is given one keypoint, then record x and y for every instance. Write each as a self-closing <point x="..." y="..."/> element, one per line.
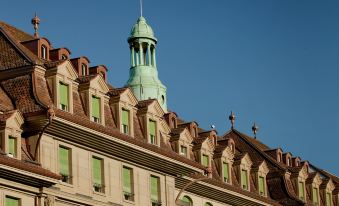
<point x="242" y="180"/>
<point x="155" y="202"/>
<point x="227" y="172"/>
<point x="15" y="146"/>
<point x="94" y="118"/>
<point x="67" y="109"/>
<point x="12" y="198"/>
<point x="43" y="52"/>
<point x="98" y="187"/>
<point x="123" y="126"/>
<point x="150" y="136"/>
<point x="301" y="187"/>
<point x="68" y="179"/>
<point x="128" y="195"/>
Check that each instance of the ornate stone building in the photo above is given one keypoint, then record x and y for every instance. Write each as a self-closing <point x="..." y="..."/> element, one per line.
<point x="69" y="138"/>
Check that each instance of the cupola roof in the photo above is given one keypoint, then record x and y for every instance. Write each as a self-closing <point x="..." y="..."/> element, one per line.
<point x="142" y="29"/>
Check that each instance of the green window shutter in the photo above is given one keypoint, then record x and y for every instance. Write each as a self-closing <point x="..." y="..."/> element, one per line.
<point x="12" y="146"/>
<point x="95" y="107"/>
<point x="262" y="185"/>
<point x="205" y="160"/>
<point x="315" y="196"/>
<point x="152" y="131"/>
<point x="63" y="88"/>
<point x="183" y="150"/>
<point x="12" y="201"/>
<point x="328" y="199"/>
<point x="244" y="179"/>
<point x="301" y="190"/>
<point x="225" y="171"/>
<point x="127" y="180"/>
<point x="97" y="170"/>
<point x="64" y="161"/>
<point x="154" y="188"/>
<point x="125" y="117"/>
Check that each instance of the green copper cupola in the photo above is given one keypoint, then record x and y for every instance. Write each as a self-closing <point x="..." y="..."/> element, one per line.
<point x="143" y="76"/>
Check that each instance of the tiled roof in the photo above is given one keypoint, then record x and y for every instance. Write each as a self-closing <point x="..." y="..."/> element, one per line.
<point x="17" y="33"/>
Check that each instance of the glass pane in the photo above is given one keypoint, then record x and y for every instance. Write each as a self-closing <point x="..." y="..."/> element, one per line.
<point x="225" y="171"/>
<point x="96" y="107"/>
<point x="127" y="180"/>
<point x="261" y="185"/>
<point x="63" y="88"/>
<point x="152" y="128"/>
<point x="125" y="117"/>
<point x="64" y="161"/>
<point x="97" y="170"/>
<point x="205" y="160"/>
<point x="244" y="179"/>
<point x="154" y="188"/>
<point x="12" y="146"/>
<point x="328" y="199"/>
<point x="301" y="190"/>
<point x="10" y="201"/>
<point x="315" y="196"/>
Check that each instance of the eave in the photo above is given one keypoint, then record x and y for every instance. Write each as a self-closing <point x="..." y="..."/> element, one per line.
<point x="118" y="148"/>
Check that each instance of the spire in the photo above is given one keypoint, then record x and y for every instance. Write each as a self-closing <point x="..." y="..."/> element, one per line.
<point x="36" y="21"/>
<point x="140" y="8"/>
<point x="232" y="119"/>
<point x="143" y="77"/>
<point x="255" y="129"/>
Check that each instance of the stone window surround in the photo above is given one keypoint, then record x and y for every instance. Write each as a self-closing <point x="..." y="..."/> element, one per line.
<point x="244" y="164"/>
<point x="315" y="184"/>
<point x="134" y="169"/>
<point x="301" y="178"/>
<point x="71" y="149"/>
<point x="104" y="100"/>
<point x="227" y="157"/>
<point x="262" y="172"/>
<point x="186" y="144"/>
<point x="160" y="189"/>
<point x="103" y="162"/>
<point x="132" y="110"/>
<point x="328" y="189"/>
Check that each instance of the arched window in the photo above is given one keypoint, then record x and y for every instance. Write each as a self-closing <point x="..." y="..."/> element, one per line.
<point x="187" y="201"/>
<point x="208" y="204"/>
<point x="43" y="52"/>
<point x="83" y="69"/>
<point x="64" y="57"/>
<point x="174" y="122"/>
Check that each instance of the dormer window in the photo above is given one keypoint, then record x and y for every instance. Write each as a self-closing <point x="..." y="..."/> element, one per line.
<point x="43" y="52"/>
<point x="152" y="132"/>
<point x="225" y="172"/>
<point x="63" y="95"/>
<point x="183" y="150"/>
<point x="64" y="57"/>
<point x="12" y="146"/>
<point x="96" y="109"/>
<point x="262" y="185"/>
<point x="205" y="160"/>
<point x="125" y="121"/>
<point x="288" y="161"/>
<point x="83" y="69"/>
<point x="315" y="196"/>
<point x="244" y="179"/>
<point x="174" y="122"/>
<point x="301" y="190"/>
<point x="194" y="132"/>
<point x="328" y="199"/>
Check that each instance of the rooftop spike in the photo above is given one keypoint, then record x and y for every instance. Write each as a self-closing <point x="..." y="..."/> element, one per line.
<point x="255" y="129"/>
<point x="36" y="21"/>
<point x="140" y="8"/>
<point x="232" y="119"/>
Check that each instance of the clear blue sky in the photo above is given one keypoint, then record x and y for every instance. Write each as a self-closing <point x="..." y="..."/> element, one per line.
<point x="270" y="61"/>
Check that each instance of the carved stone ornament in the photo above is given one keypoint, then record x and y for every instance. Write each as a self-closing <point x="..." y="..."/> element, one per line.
<point x="49" y="200"/>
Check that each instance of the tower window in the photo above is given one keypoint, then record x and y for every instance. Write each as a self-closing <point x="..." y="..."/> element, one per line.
<point x="43" y="52"/>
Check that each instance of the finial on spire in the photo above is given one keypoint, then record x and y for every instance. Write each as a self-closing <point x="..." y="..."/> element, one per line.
<point x="140" y="7"/>
<point x="255" y="129"/>
<point x="36" y="22"/>
<point x="232" y="119"/>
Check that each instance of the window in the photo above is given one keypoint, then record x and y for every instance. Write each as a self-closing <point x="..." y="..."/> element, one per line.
<point x="64" y="57"/>
<point x="183" y="150"/>
<point x="261" y="185"/>
<point x="83" y="69"/>
<point x="301" y="189"/>
<point x="155" y="184"/>
<point x="95" y="109"/>
<point x="43" y="52"/>
<point x="12" y="146"/>
<point x="64" y="164"/>
<point x="315" y="196"/>
<point x="152" y="131"/>
<point x="12" y="201"/>
<point x="63" y="94"/>
<point x="128" y="183"/>
<point x="244" y="179"/>
<point x="288" y="161"/>
<point x="97" y="175"/>
<point x="205" y="160"/>
<point x="187" y="201"/>
<point x="225" y="172"/>
<point x="208" y="204"/>
<point x="328" y="199"/>
<point x="125" y="121"/>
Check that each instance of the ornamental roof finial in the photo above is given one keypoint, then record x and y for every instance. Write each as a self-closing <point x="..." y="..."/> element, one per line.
<point x="255" y="129"/>
<point x="232" y="119"/>
<point x="36" y="22"/>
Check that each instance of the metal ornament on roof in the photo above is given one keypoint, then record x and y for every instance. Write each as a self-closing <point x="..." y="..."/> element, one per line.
<point x="255" y="129"/>
<point x="36" y="21"/>
<point x="232" y="119"/>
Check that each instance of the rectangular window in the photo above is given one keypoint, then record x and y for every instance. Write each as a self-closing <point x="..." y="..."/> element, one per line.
<point x="128" y="183"/>
<point x="63" y="94"/>
<point x="183" y="150"/>
<point x="244" y="179"/>
<point x="225" y="172"/>
<point x="328" y="199"/>
<point x="97" y="174"/>
<point x="155" y="195"/>
<point x="12" y="201"/>
<point x="152" y="131"/>
<point x="301" y="188"/>
<point x="64" y="164"/>
<point x="12" y="146"/>
<point x="205" y="160"/>
<point x="315" y="196"/>
<point x="95" y="109"/>
<point x="261" y="185"/>
<point x="125" y="121"/>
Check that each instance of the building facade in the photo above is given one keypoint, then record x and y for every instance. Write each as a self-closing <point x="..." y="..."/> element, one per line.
<point x="69" y="138"/>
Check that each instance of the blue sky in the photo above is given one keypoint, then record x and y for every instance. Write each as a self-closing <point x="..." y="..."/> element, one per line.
<point x="274" y="62"/>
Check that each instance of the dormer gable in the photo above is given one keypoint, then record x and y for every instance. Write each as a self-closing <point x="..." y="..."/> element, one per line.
<point x="287" y="159"/>
<point x="39" y="46"/>
<point x="100" y="69"/>
<point x="296" y="161"/>
<point x="192" y="127"/>
<point x="223" y="158"/>
<point x="181" y="141"/>
<point x="275" y="154"/>
<point x="243" y="164"/>
<point x="171" y="119"/>
<point x="59" y="54"/>
<point x="81" y="65"/>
